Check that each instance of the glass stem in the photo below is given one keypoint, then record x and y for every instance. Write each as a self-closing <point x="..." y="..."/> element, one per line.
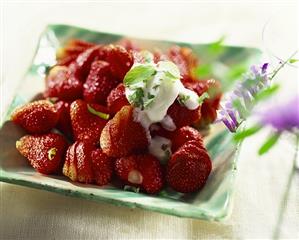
<point x="284" y="201"/>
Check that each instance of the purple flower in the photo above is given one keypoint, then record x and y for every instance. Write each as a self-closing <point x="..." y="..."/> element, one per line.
<point x="284" y="117"/>
<point x="253" y="82"/>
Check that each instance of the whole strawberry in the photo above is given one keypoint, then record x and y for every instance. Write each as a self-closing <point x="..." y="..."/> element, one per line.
<point x="63" y="84"/>
<point x="182" y="116"/>
<point x="71" y="50"/>
<point x="117" y="99"/>
<point x="99" y="83"/>
<point x="120" y="60"/>
<point x="142" y="171"/>
<point x="77" y="165"/>
<point x="123" y="136"/>
<point x="44" y="152"/>
<point x="189" y="168"/>
<point x="64" y="120"/>
<point x="183" y="135"/>
<point x="36" y="117"/>
<point x="88" y="120"/>
<point x="102" y="167"/>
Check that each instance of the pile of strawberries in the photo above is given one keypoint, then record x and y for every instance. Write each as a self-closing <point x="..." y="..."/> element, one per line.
<point x="84" y="127"/>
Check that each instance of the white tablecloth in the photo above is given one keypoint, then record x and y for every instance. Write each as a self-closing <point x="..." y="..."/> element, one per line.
<point x="33" y="214"/>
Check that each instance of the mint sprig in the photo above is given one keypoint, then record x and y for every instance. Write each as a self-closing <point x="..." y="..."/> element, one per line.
<point x="139" y="74"/>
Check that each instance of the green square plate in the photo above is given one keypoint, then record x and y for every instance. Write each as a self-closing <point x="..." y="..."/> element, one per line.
<point x="214" y="202"/>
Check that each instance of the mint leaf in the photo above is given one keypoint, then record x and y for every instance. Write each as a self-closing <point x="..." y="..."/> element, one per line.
<point x="139" y="74"/>
<point x="183" y="98"/>
<point x="170" y="69"/>
<point x="137" y="97"/>
<point x="246" y="133"/>
<point x="102" y="115"/>
<point x="270" y="142"/>
<point x="293" y="60"/>
<point x="202" y="97"/>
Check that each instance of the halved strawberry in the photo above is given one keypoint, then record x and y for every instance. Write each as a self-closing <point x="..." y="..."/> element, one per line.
<point x="117" y="99"/>
<point x="36" y="117"/>
<point x="189" y="168"/>
<point x="99" y="83"/>
<point x="122" y="135"/>
<point x="88" y="120"/>
<point x="44" y="152"/>
<point x="143" y="171"/>
<point x="77" y="164"/>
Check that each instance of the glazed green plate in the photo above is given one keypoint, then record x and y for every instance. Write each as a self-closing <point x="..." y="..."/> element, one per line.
<point x="213" y="202"/>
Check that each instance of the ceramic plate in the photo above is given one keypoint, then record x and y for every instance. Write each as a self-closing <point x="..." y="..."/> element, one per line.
<point x="213" y="202"/>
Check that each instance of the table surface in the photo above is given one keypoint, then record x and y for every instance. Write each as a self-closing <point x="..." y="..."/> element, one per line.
<point x="261" y="181"/>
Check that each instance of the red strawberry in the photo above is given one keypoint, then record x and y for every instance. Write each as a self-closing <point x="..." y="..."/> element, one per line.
<point x="64" y="121"/>
<point x="102" y="167"/>
<point x="36" y="117"/>
<point x="128" y="44"/>
<point x="189" y="168"/>
<point x="143" y="171"/>
<point x="183" y="135"/>
<point x="122" y="135"/>
<point x="82" y="65"/>
<point x="44" y="152"/>
<point x="99" y="83"/>
<point x="210" y="105"/>
<point x="186" y="61"/>
<point x="63" y="84"/>
<point x="117" y="99"/>
<point x="88" y="120"/>
<point x="71" y="50"/>
<point x="77" y="164"/>
<point x="182" y="116"/>
<point x="120" y="60"/>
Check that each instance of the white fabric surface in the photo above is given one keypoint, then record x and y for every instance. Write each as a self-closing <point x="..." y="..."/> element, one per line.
<point x="33" y="214"/>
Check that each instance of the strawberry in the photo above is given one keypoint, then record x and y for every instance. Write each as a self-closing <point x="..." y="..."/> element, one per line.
<point x="117" y="99"/>
<point x="143" y="171"/>
<point x="64" y="120"/>
<point x="189" y="168"/>
<point x="71" y="50"/>
<point x="120" y="60"/>
<point x="122" y="135"/>
<point x="210" y="105"/>
<point x="183" y="135"/>
<point x="36" y="117"/>
<point x="186" y="61"/>
<point x="102" y="167"/>
<point x="44" y="152"/>
<point x="82" y="65"/>
<point x="182" y="116"/>
<point x="99" y="83"/>
<point x="88" y="120"/>
<point x="62" y="83"/>
<point x="128" y="44"/>
<point x="77" y="165"/>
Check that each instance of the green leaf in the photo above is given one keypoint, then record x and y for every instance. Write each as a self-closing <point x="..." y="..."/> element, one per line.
<point x="247" y="132"/>
<point x="293" y="60"/>
<point x="169" y="68"/>
<point x="137" y="97"/>
<point x="183" y="98"/>
<point x="202" y="97"/>
<point x="139" y="74"/>
<point x="217" y="47"/>
<point x="203" y="70"/>
<point x="270" y="142"/>
<point x="268" y="92"/>
<point x="235" y="72"/>
<point x="102" y="115"/>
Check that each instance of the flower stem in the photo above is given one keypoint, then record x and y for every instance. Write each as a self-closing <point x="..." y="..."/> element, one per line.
<point x="282" y="65"/>
<point x="284" y="201"/>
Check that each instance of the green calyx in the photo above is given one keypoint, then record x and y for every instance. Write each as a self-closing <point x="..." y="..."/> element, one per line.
<point x="102" y="115"/>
